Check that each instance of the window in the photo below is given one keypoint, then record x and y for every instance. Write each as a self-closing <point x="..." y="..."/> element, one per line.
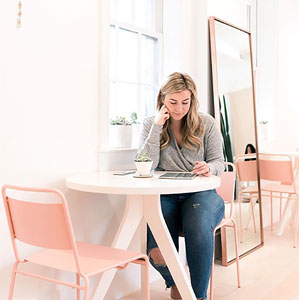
<point x="135" y="52"/>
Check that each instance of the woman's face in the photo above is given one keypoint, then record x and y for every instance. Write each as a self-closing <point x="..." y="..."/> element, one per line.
<point x="178" y="104"/>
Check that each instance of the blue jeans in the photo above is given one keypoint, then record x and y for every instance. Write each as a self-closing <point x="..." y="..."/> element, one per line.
<point x="197" y="214"/>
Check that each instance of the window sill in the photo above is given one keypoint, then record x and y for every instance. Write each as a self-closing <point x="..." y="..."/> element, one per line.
<point x="118" y="150"/>
<point x="111" y="159"/>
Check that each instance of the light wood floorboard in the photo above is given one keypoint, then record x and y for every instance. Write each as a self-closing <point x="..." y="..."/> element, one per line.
<point x="270" y="273"/>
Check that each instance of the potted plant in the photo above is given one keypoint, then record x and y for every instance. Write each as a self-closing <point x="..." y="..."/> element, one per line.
<point x="120" y="134"/>
<point x="263" y="130"/>
<point x="143" y="164"/>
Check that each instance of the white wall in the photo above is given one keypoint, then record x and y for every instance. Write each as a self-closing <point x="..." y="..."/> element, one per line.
<point x="231" y="11"/>
<point x="266" y="72"/>
<point x="287" y="96"/>
<point x="277" y="73"/>
<point x="185" y="30"/>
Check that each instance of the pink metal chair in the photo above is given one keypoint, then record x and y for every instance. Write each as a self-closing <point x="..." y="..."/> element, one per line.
<point x="226" y="191"/>
<point x="247" y="172"/>
<point x="48" y="225"/>
<point x="296" y="167"/>
<point x="278" y="181"/>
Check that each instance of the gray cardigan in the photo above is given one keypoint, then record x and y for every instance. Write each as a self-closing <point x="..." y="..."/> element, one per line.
<point x="174" y="158"/>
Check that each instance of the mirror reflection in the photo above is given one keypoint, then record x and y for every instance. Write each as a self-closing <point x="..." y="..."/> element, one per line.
<point x="235" y="110"/>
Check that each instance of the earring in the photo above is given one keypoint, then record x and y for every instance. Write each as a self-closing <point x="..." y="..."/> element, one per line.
<point x="19" y="14"/>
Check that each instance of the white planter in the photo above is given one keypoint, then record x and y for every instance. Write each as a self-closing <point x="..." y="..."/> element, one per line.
<point x="120" y="136"/>
<point x="143" y="167"/>
<point x="263" y="132"/>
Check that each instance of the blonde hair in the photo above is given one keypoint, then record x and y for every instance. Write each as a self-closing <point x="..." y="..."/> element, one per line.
<point x="192" y="126"/>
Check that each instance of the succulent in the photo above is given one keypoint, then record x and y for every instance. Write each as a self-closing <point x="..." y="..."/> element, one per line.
<point x="123" y="121"/>
<point x="120" y="121"/>
<point x="134" y="117"/>
<point x="263" y="122"/>
<point x="142" y="157"/>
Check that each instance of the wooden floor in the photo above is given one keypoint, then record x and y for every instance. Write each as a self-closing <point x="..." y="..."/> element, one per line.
<point x="270" y="273"/>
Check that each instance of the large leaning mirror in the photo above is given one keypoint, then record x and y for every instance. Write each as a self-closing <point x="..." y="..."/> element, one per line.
<point x="234" y="109"/>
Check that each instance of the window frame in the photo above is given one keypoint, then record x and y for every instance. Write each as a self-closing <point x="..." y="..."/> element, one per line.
<point x="103" y="148"/>
<point x="158" y="35"/>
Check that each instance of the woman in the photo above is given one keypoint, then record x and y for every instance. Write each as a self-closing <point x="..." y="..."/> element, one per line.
<point x="249" y="150"/>
<point x="179" y="138"/>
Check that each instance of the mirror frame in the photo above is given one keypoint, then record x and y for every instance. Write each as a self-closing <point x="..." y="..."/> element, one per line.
<point x="217" y="118"/>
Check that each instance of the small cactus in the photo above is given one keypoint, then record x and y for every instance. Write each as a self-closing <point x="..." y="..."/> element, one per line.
<point x="142" y="157"/>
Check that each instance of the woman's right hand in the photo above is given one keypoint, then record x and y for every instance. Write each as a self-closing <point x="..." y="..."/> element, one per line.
<point x="162" y="115"/>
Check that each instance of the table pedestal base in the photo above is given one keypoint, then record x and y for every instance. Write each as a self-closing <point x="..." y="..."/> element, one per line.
<point x="147" y="206"/>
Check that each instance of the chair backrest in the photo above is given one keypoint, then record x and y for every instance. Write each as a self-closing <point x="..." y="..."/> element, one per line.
<point x="227" y="188"/>
<point x="246" y="167"/>
<point x="276" y="167"/>
<point x="45" y="225"/>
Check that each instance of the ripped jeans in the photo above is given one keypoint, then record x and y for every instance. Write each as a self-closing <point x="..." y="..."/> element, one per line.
<point x="197" y="214"/>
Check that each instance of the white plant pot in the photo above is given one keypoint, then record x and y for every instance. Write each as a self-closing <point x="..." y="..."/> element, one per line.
<point x="143" y="167"/>
<point x="263" y="132"/>
<point x="120" y="136"/>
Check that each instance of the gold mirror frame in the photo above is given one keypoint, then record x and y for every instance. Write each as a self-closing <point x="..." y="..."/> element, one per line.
<point x="212" y="20"/>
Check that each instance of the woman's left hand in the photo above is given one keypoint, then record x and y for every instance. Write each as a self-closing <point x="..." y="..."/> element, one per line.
<point x="201" y="168"/>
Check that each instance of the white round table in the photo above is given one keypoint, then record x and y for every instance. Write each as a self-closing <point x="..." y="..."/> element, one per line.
<point x="142" y="202"/>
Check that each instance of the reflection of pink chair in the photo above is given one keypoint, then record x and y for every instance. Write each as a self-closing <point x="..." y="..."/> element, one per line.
<point x="226" y="191"/>
<point x="247" y="172"/>
<point x="277" y="171"/>
<point x="48" y="225"/>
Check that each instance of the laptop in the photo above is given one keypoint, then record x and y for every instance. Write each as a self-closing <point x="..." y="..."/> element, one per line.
<point x="177" y="175"/>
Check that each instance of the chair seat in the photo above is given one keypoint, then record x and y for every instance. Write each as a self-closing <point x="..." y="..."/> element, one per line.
<point x="250" y="189"/>
<point x="279" y="188"/>
<point x="94" y="259"/>
<point x="224" y="222"/>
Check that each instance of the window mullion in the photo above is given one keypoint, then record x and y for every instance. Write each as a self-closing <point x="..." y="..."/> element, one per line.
<point x="159" y="12"/>
<point x="125" y="84"/>
<point x="139" y="73"/>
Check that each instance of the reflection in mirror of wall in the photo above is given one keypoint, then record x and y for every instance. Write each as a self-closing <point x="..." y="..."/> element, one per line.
<point x="234" y="105"/>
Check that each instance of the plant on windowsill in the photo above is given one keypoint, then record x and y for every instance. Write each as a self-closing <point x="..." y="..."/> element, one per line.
<point x="122" y="131"/>
<point x="143" y="164"/>
<point x="263" y="130"/>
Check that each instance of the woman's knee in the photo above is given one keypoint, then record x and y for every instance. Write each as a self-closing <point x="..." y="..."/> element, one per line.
<point x="156" y="255"/>
<point x="203" y="212"/>
<point x="208" y="202"/>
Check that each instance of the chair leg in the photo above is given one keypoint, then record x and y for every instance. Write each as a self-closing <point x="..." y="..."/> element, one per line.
<point x="280" y="205"/>
<point x="236" y="252"/>
<point x="249" y="214"/>
<point x="252" y="212"/>
<point x="147" y="286"/>
<point x="86" y="288"/>
<point x="252" y="205"/>
<point x="240" y="218"/>
<point x="78" y="283"/>
<point x="12" y="280"/>
<point x="296" y="222"/>
<point x="271" y="209"/>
